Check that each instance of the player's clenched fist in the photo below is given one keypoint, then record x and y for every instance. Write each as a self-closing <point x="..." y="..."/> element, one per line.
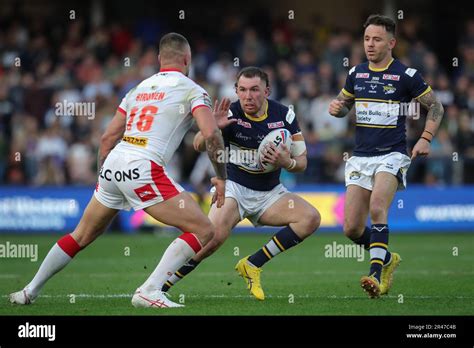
<point x="336" y="107"/>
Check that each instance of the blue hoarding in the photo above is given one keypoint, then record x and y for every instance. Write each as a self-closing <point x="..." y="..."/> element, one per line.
<point x="419" y="208"/>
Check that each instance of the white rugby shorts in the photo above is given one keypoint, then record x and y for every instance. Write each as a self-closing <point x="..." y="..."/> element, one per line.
<point x="127" y="181"/>
<point x="252" y="204"/>
<point x="361" y="171"/>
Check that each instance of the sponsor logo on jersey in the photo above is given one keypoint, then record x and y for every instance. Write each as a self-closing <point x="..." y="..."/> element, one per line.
<point x="290" y="116"/>
<point x="244" y="158"/>
<point x="239" y="135"/>
<point x="362" y="75"/>
<point x="243" y="123"/>
<point x="207" y="100"/>
<point x="389" y="89"/>
<point x="410" y="72"/>
<point x="378" y="114"/>
<point x="274" y="125"/>
<point x="359" y="88"/>
<point x="136" y="141"/>
<point x="391" y="77"/>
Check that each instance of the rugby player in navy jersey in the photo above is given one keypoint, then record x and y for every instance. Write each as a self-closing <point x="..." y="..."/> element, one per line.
<point x="250" y="193"/>
<point x="380" y="89"/>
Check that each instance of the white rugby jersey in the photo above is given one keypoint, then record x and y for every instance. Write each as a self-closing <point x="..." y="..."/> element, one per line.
<point x="159" y="113"/>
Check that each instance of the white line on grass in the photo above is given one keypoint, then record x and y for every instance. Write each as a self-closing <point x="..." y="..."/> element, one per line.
<point x="333" y="297"/>
<point x="231" y="273"/>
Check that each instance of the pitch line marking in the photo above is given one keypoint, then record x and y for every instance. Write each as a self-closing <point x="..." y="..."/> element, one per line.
<point x="334" y="297"/>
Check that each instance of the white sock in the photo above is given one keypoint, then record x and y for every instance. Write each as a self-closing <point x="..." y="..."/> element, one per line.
<point x="55" y="261"/>
<point x="174" y="257"/>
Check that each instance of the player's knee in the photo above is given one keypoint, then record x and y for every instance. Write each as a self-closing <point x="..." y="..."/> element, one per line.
<point x="378" y="212"/>
<point x="352" y="230"/>
<point x="218" y="239"/>
<point x="208" y="232"/>
<point x="311" y="220"/>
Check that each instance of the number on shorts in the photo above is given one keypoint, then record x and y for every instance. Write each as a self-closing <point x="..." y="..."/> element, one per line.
<point x="145" y="119"/>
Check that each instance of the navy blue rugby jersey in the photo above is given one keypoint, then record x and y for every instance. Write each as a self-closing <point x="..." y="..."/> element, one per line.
<point x="243" y="137"/>
<point x="382" y="98"/>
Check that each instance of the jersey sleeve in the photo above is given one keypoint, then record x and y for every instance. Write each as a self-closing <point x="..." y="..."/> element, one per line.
<point x="417" y="87"/>
<point x="122" y="108"/>
<point x="291" y="121"/>
<point x="348" y="88"/>
<point x="199" y="98"/>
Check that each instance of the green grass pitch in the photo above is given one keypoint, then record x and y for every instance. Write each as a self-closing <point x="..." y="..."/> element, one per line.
<point x="302" y="281"/>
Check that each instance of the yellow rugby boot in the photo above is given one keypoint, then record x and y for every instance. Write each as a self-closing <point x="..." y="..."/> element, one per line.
<point x="386" y="278"/>
<point x="251" y="275"/>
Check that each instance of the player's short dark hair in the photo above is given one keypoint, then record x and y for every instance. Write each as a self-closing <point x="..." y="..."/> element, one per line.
<point x="383" y="21"/>
<point x="253" y="71"/>
<point x="173" y="44"/>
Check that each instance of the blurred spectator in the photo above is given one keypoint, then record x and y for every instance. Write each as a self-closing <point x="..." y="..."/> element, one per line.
<point x="222" y="73"/>
<point x="74" y="62"/>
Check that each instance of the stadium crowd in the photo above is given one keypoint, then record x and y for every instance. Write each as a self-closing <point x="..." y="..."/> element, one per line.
<point x="43" y="65"/>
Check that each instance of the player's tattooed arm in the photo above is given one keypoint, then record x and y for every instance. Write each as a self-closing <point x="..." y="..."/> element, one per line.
<point x="112" y="135"/>
<point x="435" y="114"/>
<point x="341" y="106"/>
<point x="433" y="120"/>
<point x="215" y="148"/>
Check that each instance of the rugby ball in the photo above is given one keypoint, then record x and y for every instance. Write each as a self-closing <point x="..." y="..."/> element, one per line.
<point x="277" y="137"/>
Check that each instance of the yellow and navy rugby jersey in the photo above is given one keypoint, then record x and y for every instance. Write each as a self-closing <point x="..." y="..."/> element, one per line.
<point x="381" y="99"/>
<point x="243" y="137"/>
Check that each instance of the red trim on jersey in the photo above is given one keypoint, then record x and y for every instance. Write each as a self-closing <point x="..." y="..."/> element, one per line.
<point x="162" y="182"/>
<point x="119" y="109"/>
<point x="192" y="241"/>
<point x="197" y="107"/>
<point x="69" y="245"/>
<point x="171" y="69"/>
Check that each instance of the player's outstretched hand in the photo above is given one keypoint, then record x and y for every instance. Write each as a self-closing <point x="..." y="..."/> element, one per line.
<point x="221" y="111"/>
<point x="219" y="194"/>
<point x="335" y="107"/>
<point x="279" y="157"/>
<point x="421" y="148"/>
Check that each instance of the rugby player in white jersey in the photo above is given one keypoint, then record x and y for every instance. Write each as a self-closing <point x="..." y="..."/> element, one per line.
<point x="150" y="124"/>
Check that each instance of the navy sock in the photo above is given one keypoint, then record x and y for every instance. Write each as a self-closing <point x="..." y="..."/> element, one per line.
<point x="378" y="249"/>
<point x="179" y="274"/>
<point x="281" y="241"/>
<point x="364" y="240"/>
